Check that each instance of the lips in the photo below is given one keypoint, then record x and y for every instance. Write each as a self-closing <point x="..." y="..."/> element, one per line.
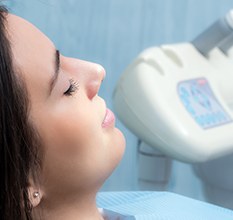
<point x="109" y="119"/>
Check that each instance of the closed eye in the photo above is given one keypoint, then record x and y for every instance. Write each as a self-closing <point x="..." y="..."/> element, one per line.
<point x="74" y="86"/>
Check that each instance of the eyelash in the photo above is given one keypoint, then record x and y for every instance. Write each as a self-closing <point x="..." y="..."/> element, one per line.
<point x="74" y="86"/>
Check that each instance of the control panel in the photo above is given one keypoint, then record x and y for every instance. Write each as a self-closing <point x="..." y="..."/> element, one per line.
<point x="201" y="103"/>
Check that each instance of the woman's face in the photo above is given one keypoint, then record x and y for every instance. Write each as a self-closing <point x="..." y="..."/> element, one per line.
<point x="80" y="146"/>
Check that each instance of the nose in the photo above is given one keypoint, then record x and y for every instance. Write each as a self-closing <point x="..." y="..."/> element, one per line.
<point x="90" y="75"/>
<point x="94" y="79"/>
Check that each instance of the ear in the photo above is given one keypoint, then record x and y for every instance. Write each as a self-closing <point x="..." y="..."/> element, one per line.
<point x="34" y="193"/>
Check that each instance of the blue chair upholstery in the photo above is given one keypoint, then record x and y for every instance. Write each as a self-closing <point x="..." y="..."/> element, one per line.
<point x="158" y="206"/>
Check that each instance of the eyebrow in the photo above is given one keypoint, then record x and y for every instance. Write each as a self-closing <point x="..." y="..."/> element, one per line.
<point x="56" y="70"/>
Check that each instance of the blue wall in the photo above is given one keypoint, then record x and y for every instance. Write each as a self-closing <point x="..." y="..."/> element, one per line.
<point x="112" y="33"/>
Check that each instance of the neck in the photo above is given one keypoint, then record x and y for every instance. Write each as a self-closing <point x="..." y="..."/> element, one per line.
<point x="81" y="208"/>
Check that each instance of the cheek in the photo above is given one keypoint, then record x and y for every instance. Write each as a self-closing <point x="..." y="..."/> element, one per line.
<point x="71" y="144"/>
<point x="71" y="131"/>
<point x="76" y="145"/>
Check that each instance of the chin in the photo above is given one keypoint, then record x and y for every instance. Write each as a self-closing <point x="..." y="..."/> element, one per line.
<point x="119" y="143"/>
<point x="117" y="149"/>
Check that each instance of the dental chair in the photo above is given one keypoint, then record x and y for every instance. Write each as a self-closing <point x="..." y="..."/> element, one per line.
<point x="178" y="100"/>
<point x="157" y="206"/>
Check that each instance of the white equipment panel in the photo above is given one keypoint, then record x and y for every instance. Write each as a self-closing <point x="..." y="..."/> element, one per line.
<point x="178" y="100"/>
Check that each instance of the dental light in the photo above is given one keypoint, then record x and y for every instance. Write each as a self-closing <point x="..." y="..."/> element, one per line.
<point x="179" y="98"/>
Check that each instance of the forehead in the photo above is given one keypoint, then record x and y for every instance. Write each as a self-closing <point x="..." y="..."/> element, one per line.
<point x="33" y="55"/>
<point x="26" y="40"/>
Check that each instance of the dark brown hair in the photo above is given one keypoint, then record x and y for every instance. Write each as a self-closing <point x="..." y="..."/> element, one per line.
<point x="18" y="139"/>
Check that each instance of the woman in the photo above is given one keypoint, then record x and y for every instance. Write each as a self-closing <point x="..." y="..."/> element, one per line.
<point x="58" y="139"/>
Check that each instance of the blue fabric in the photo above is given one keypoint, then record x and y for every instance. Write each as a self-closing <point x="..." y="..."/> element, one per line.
<point x="158" y="206"/>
